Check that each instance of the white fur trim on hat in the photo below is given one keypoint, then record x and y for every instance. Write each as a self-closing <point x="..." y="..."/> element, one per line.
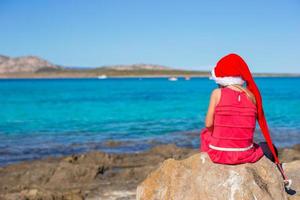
<point x="228" y="80"/>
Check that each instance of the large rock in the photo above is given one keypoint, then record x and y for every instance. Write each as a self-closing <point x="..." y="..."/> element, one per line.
<point x="92" y="175"/>
<point x="289" y="154"/>
<point x="197" y="178"/>
<point x="97" y="175"/>
<point x="292" y="170"/>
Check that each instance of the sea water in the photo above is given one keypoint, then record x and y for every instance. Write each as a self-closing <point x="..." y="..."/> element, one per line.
<point x="53" y="117"/>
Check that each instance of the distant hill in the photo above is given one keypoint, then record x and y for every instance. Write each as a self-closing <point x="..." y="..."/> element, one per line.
<point x="35" y="67"/>
<point x="25" y="64"/>
<point x="135" y="70"/>
<point x="135" y="67"/>
<point x="3" y="58"/>
<point x="35" y="64"/>
<point x="32" y="66"/>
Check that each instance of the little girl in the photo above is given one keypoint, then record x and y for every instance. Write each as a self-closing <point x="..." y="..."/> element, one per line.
<point x="231" y="118"/>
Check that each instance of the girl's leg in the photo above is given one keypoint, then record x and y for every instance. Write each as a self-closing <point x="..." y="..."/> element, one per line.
<point x="267" y="151"/>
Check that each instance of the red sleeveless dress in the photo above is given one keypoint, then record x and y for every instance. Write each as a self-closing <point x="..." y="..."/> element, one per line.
<point x="231" y="141"/>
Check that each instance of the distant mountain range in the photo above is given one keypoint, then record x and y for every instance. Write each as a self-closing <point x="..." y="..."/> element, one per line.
<point x="35" y="67"/>
<point x="32" y="64"/>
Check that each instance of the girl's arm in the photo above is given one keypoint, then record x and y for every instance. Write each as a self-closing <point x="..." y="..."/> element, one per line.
<point x="214" y="99"/>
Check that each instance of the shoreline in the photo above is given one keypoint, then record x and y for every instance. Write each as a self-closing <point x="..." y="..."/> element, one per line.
<point x="182" y="139"/>
<point x="95" y="76"/>
<point x="95" y="174"/>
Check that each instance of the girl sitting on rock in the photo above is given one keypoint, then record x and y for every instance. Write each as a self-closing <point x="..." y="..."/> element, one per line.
<point x="231" y="117"/>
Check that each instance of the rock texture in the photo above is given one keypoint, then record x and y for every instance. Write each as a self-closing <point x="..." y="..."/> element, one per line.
<point x="98" y="175"/>
<point x="197" y="178"/>
<point x="91" y="175"/>
<point x="24" y="64"/>
<point x="289" y="154"/>
<point x="293" y="172"/>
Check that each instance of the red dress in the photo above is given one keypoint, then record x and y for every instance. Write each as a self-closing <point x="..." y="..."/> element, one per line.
<point x="231" y="141"/>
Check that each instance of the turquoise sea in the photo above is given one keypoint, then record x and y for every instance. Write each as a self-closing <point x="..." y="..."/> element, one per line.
<point x="53" y="117"/>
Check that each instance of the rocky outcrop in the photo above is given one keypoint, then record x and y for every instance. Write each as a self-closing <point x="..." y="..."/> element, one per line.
<point x="99" y="175"/>
<point x="197" y="178"/>
<point x="289" y="154"/>
<point x="293" y="172"/>
<point x="93" y="175"/>
<point x="24" y="64"/>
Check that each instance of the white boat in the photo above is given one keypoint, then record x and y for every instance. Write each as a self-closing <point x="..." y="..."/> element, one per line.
<point x="187" y="78"/>
<point x="173" y="79"/>
<point x="102" y="77"/>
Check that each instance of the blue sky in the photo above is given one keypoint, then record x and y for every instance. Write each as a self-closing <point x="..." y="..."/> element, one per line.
<point x="183" y="34"/>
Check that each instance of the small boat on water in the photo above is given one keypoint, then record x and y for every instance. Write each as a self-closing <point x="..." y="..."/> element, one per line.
<point x="102" y="77"/>
<point x="187" y="78"/>
<point x="173" y="79"/>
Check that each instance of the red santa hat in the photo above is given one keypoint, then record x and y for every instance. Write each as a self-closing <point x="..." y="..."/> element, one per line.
<point x="232" y="69"/>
